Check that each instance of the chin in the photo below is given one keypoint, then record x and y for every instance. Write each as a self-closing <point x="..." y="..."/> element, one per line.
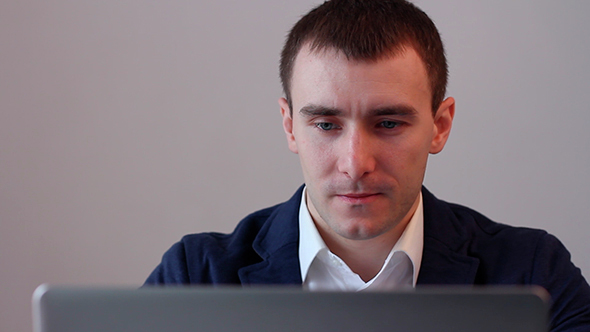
<point x="362" y="231"/>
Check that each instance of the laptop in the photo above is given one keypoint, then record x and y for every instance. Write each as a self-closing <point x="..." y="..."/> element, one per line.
<point x="225" y="309"/>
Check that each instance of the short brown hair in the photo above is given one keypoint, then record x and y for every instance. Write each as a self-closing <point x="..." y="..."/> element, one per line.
<point x="368" y="30"/>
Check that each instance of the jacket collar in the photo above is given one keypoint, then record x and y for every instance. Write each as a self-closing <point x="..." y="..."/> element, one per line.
<point x="445" y="259"/>
<point x="277" y="244"/>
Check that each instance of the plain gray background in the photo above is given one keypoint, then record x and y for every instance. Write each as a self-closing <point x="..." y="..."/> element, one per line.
<point x="126" y="124"/>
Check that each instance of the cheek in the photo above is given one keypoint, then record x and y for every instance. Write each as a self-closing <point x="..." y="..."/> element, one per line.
<point x="315" y="158"/>
<point x="408" y="157"/>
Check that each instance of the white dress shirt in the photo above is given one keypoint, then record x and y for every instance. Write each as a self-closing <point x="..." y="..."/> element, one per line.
<point x="322" y="270"/>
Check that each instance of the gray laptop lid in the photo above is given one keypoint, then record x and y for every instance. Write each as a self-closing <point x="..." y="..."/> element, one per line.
<point x="179" y="309"/>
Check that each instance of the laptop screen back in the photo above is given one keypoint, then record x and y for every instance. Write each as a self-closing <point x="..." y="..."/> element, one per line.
<point x="180" y="309"/>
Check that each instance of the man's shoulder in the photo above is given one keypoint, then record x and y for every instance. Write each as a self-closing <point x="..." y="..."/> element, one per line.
<point x="456" y="221"/>
<point x="480" y="222"/>
<point x="499" y="253"/>
<point x="462" y="246"/>
<point x="215" y="257"/>
<point x="502" y="253"/>
<point x="245" y="232"/>
<point x="270" y="222"/>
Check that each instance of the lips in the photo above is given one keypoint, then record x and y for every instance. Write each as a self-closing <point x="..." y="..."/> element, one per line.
<point x="359" y="198"/>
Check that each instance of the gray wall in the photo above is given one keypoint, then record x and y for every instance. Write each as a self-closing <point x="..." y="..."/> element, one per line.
<point x="126" y="124"/>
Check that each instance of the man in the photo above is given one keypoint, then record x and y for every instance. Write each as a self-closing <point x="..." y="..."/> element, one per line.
<point x="364" y="106"/>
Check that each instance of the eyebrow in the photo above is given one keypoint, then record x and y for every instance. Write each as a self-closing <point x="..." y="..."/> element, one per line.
<point x="316" y="110"/>
<point x="398" y="110"/>
<point x="312" y="110"/>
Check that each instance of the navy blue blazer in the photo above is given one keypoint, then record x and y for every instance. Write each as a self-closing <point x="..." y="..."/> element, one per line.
<point x="461" y="247"/>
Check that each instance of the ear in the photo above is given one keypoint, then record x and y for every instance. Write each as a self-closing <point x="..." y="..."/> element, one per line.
<point x="288" y="124"/>
<point x="443" y="121"/>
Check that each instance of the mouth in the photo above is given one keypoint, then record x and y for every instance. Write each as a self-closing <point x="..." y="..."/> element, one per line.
<point x="358" y="198"/>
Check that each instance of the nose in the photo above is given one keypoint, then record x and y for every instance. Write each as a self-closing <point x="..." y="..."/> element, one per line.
<point x="357" y="157"/>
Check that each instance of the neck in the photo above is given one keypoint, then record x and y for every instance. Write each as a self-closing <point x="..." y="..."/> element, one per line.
<point x="363" y="257"/>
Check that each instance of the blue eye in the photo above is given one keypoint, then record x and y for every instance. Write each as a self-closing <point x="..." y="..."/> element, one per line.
<point x="389" y="124"/>
<point x="325" y="126"/>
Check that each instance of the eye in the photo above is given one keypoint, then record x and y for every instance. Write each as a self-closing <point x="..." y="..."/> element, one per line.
<point x="389" y="124"/>
<point x="325" y="126"/>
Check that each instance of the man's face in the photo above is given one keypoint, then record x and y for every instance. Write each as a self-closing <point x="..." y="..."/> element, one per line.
<point x="363" y="132"/>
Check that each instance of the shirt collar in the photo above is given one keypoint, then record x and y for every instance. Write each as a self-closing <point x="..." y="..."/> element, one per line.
<point x="411" y="241"/>
<point x="313" y="243"/>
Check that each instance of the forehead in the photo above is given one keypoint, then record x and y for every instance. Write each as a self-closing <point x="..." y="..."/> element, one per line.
<point x="328" y="78"/>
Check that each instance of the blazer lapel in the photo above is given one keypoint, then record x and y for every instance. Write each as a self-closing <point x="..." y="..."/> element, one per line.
<point x="273" y="271"/>
<point x="445" y="259"/>
<point x="441" y="266"/>
<point x="277" y="244"/>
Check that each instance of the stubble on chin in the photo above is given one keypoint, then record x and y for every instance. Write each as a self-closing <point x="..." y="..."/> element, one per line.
<point x="360" y="222"/>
